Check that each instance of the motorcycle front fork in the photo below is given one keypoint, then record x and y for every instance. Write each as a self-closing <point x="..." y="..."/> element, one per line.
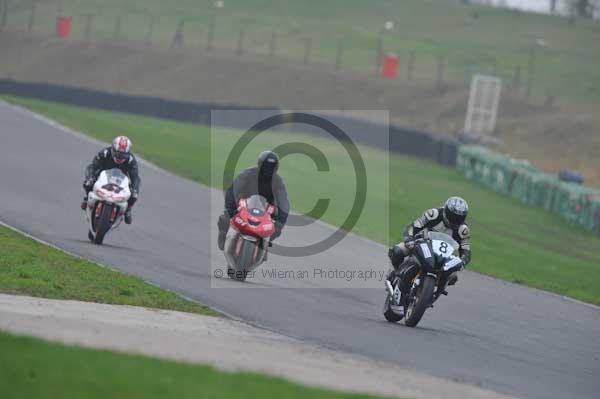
<point x="407" y="288"/>
<point x="440" y="289"/>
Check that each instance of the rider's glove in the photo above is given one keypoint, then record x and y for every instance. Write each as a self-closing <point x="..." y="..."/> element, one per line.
<point x="390" y="252"/>
<point x="278" y="229"/>
<point x="409" y="243"/>
<point x="88" y="184"/>
<point x="132" y="200"/>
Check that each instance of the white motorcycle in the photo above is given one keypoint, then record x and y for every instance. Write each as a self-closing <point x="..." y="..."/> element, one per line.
<point x="107" y="203"/>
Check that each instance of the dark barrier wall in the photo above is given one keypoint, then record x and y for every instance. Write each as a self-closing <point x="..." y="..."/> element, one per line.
<point x="437" y="148"/>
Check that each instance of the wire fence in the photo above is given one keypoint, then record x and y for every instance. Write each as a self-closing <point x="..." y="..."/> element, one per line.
<point x="529" y="71"/>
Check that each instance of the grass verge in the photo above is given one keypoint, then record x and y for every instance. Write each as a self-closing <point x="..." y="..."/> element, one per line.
<point x="511" y="241"/>
<point x="28" y="267"/>
<point x="33" y="368"/>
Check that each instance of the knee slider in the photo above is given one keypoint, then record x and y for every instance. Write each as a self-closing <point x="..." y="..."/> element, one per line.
<point x="223" y="223"/>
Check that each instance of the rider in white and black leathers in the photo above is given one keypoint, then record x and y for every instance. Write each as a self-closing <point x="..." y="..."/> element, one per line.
<point x="449" y="219"/>
<point x="119" y="156"/>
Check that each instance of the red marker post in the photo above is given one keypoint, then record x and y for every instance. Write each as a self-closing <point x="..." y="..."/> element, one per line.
<point x="390" y="66"/>
<point x="63" y="27"/>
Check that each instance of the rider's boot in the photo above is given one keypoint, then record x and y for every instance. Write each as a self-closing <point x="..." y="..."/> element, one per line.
<point x="396" y="256"/>
<point x="223" y="226"/>
<point x="391" y="276"/>
<point x="128" y="216"/>
<point x="221" y="240"/>
<point x="452" y="279"/>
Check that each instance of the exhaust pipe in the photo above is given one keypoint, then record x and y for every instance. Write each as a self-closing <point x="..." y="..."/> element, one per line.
<point x="389" y="287"/>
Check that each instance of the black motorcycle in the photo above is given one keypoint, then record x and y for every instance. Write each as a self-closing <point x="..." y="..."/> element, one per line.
<point x="422" y="279"/>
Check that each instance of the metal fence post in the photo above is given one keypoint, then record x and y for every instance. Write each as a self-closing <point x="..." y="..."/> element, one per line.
<point x="467" y="75"/>
<point x="307" y="51"/>
<point x="516" y="80"/>
<point x="530" y="71"/>
<point x="240" y="44"/>
<point x="178" y="37"/>
<point x="31" y="21"/>
<point x="339" y="54"/>
<point x="272" y="45"/>
<point x="378" y="53"/>
<point x="211" y="34"/>
<point x="441" y="66"/>
<point x="411" y="65"/>
<point x="117" y="31"/>
<point x="88" y="26"/>
<point x="150" y="32"/>
<point x="4" y="14"/>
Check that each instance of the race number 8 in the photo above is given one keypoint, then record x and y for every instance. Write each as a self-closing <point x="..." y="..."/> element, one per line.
<point x="443" y="247"/>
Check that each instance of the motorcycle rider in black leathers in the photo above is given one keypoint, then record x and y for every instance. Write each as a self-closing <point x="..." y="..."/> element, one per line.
<point x="119" y="156"/>
<point x="263" y="180"/>
<point x="449" y="219"/>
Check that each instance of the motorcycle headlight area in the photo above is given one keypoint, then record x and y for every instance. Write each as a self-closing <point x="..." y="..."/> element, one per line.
<point x="108" y="195"/>
<point x="100" y="193"/>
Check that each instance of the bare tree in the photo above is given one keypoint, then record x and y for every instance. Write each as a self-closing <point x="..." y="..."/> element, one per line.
<point x="583" y="8"/>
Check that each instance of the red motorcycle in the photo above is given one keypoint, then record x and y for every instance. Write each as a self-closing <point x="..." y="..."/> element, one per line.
<point x="248" y="239"/>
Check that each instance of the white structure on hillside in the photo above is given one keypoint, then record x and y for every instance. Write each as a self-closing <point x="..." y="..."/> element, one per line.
<point x="541" y="6"/>
<point x="483" y="103"/>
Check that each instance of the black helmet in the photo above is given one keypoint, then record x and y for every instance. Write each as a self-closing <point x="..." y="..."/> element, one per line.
<point x="455" y="211"/>
<point x="268" y="163"/>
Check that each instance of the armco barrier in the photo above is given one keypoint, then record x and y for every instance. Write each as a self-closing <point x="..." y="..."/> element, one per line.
<point x="140" y="105"/>
<point x="440" y="149"/>
<point x="576" y="203"/>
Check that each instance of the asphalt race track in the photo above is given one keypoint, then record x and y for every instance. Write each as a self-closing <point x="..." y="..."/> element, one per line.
<point x="500" y="336"/>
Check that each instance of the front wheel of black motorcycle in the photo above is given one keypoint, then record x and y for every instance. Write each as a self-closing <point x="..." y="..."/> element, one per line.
<point x="417" y="306"/>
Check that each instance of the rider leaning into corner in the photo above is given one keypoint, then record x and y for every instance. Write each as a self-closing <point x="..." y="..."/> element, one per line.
<point x="449" y="219"/>
<point x="117" y="155"/>
<point x="263" y="180"/>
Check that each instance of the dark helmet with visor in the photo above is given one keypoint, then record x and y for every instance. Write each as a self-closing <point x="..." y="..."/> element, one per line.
<point x="455" y="212"/>
<point x="268" y="163"/>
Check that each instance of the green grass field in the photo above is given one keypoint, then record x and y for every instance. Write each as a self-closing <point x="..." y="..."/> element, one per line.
<point x="30" y="268"/>
<point x="32" y="368"/>
<point x="470" y="38"/>
<point x="511" y="241"/>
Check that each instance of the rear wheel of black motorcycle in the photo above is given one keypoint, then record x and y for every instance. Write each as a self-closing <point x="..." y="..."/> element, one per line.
<point x="416" y="308"/>
<point x="388" y="313"/>
<point x="103" y="223"/>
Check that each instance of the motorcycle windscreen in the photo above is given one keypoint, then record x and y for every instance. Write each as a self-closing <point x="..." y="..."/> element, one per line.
<point x="442" y="244"/>
<point x="257" y="205"/>
<point x="115" y="176"/>
<point x="443" y="237"/>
